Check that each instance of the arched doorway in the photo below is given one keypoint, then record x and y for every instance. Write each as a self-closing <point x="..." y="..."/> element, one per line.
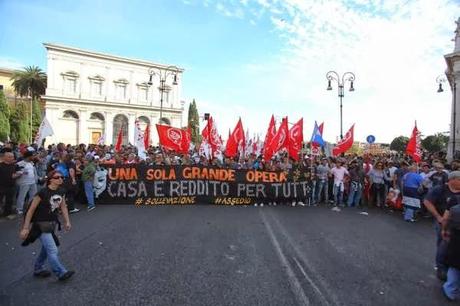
<point x="120" y="122"/>
<point x="67" y="132"/>
<point x="96" y="124"/>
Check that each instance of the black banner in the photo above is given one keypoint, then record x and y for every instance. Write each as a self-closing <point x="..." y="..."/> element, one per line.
<point x="184" y="185"/>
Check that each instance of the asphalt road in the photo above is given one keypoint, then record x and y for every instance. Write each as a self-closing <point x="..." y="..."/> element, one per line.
<point x="215" y="255"/>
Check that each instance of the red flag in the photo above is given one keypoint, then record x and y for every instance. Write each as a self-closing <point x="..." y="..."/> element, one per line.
<point x="119" y="140"/>
<point x="236" y="139"/>
<point x="147" y="136"/>
<point x="344" y="144"/>
<point x="296" y="139"/>
<point x="414" y="148"/>
<point x="271" y="132"/>
<point x="320" y="127"/>
<point x="279" y="141"/>
<point x="174" y="139"/>
<point x="211" y="135"/>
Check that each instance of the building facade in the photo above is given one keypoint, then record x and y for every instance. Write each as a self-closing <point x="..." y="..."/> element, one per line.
<point x="92" y="96"/>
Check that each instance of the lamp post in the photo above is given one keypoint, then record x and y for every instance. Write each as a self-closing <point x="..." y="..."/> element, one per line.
<point x="163" y="74"/>
<point x="440" y="80"/>
<point x="347" y="76"/>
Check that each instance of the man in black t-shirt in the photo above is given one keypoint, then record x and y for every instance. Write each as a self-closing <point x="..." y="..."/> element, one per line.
<point x="8" y="176"/>
<point x="438" y="201"/>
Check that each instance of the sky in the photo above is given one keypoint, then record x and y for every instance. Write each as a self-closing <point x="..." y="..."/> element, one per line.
<point x="255" y="58"/>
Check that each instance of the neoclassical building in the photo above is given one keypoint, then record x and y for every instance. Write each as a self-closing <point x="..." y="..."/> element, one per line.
<point x="92" y="94"/>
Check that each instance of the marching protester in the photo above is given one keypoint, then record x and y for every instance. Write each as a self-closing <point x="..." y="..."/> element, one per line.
<point x="88" y="178"/>
<point x="356" y="173"/>
<point x="411" y="184"/>
<point x="438" y="201"/>
<point x="27" y="182"/>
<point x="339" y="172"/>
<point x="40" y="223"/>
<point x="451" y="233"/>
<point x="8" y="175"/>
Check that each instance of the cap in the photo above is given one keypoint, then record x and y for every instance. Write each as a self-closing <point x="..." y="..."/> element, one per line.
<point x="454" y="175"/>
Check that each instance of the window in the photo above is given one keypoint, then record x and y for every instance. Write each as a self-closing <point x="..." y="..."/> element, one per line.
<point x="96" y="83"/>
<point x="121" y="86"/>
<point x="70" y="82"/>
<point x="143" y="92"/>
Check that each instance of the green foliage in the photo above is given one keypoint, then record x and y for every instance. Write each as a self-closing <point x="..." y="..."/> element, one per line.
<point x="31" y="80"/>
<point x="36" y="117"/>
<point x="20" y="123"/>
<point x="435" y="143"/>
<point x="4" y="118"/>
<point x="194" y="122"/>
<point x="399" y="144"/>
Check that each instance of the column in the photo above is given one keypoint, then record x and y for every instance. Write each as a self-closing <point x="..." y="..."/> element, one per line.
<point x="108" y="128"/>
<point x="83" y="127"/>
<point x="131" y="125"/>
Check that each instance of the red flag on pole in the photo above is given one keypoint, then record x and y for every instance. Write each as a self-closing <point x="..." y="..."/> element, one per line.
<point x="296" y="139"/>
<point x="414" y="148"/>
<point x="236" y="139"/>
<point x="271" y="132"/>
<point x="147" y="136"/>
<point x="279" y="141"/>
<point x="344" y="144"/>
<point x="119" y="140"/>
<point x="174" y="139"/>
<point x="211" y="135"/>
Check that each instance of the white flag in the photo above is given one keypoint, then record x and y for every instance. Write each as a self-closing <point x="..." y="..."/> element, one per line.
<point x="44" y="131"/>
<point x="139" y="141"/>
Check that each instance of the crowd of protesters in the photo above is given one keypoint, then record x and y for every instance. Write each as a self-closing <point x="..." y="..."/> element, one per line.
<point x="430" y="188"/>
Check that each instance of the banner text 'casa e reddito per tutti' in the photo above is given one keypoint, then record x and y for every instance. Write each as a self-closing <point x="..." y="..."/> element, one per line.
<point x="178" y="185"/>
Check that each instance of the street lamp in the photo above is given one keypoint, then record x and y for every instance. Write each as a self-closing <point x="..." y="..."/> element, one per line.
<point x="163" y="74"/>
<point x="347" y="76"/>
<point x="440" y="80"/>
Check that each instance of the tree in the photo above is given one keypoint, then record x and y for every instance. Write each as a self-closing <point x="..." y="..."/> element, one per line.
<point x="399" y="144"/>
<point x="435" y="143"/>
<point x="4" y="118"/>
<point x="194" y="122"/>
<point x="36" y="116"/>
<point x="30" y="81"/>
<point x="20" y="123"/>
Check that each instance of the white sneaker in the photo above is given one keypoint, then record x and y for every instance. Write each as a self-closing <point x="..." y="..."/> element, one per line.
<point x="75" y="210"/>
<point x="91" y="208"/>
<point x="301" y="203"/>
<point x="261" y="204"/>
<point x="293" y="204"/>
<point x="255" y="204"/>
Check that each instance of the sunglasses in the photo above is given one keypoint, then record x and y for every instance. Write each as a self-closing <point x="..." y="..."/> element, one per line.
<point x="57" y="177"/>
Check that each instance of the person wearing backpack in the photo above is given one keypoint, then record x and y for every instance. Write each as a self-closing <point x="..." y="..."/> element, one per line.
<point x="40" y="221"/>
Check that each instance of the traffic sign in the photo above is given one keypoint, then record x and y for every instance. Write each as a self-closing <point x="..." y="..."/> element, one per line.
<point x="370" y="139"/>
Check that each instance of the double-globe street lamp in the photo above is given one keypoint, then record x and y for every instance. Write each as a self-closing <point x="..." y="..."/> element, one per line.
<point x="347" y="76"/>
<point x="440" y="80"/>
<point x="163" y="74"/>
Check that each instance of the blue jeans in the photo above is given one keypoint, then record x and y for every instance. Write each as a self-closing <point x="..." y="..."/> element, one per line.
<point x="89" y="193"/>
<point x="338" y="194"/>
<point x="452" y="285"/>
<point x="322" y="186"/>
<point x="409" y="213"/>
<point x="24" y="191"/>
<point x="441" y="248"/>
<point x="49" y="250"/>
<point x="356" y="191"/>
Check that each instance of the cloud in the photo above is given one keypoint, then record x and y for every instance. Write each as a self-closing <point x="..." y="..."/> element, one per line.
<point x="395" y="49"/>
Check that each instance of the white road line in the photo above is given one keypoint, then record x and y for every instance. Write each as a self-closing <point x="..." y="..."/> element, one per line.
<point x="297" y="289"/>
<point x="311" y="282"/>
<point x="299" y="254"/>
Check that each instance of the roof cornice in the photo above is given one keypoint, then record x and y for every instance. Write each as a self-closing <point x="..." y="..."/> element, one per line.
<point x="78" y="51"/>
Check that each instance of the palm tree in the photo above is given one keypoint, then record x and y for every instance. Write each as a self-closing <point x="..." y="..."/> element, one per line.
<point x="30" y="81"/>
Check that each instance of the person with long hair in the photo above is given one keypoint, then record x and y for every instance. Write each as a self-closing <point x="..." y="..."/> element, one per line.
<point x="40" y="223"/>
